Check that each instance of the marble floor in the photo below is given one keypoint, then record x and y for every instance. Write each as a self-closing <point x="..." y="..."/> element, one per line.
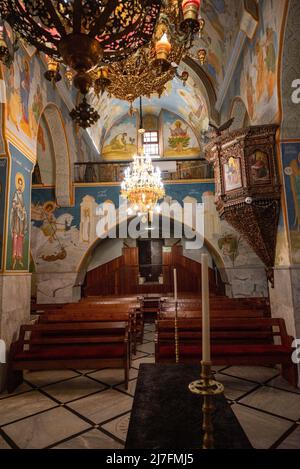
<point x="91" y="409"/>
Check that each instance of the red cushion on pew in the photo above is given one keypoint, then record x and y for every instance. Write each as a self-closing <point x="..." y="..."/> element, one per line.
<point x="73" y="351"/>
<point x="194" y="350"/>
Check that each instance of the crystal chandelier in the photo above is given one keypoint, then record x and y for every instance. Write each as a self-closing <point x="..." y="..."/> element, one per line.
<point x="81" y="34"/>
<point x="142" y="185"/>
<point x="152" y="66"/>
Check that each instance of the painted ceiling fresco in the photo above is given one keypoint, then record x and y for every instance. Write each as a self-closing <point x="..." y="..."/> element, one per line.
<point x="221" y="30"/>
<point x="184" y="100"/>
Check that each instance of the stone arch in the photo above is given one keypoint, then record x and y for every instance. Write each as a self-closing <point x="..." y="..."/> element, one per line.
<point x="216" y="256"/>
<point x="52" y="116"/>
<point x="205" y="85"/>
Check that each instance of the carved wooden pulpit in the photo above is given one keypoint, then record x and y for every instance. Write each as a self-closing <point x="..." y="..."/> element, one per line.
<point x="248" y="187"/>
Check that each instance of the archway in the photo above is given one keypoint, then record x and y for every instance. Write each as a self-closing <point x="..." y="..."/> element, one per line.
<point x="107" y="243"/>
<point x="53" y="156"/>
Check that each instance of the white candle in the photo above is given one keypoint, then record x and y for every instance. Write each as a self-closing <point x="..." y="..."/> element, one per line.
<point x="205" y="310"/>
<point x="175" y="285"/>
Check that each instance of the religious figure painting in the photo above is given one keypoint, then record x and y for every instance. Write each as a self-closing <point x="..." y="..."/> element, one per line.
<point x="17" y="257"/>
<point x="232" y="174"/>
<point x="121" y="141"/>
<point x="85" y="226"/>
<point x="291" y="162"/>
<point x="179" y="139"/>
<point x="3" y="175"/>
<point x="260" y="171"/>
<point x="18" y="222"/>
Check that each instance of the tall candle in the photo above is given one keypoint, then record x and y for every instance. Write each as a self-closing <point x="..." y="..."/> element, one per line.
<point x="175" y="285"/>
<point x="206" y="357"/>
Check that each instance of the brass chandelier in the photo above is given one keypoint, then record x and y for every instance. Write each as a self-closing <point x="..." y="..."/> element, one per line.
<point x="82" y="34"/>
<point x="152" y="66"/>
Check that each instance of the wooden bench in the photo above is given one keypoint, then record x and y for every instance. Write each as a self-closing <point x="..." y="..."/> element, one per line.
<point x="68" y="346"/>
<point x="251" y="342"/>
<point x="93" y="316"/>
<point x="183" y="313"/>
<point x="110" y="310"/>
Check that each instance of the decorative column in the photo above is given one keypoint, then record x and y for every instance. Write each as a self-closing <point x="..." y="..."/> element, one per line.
<point x="15" y="279"/>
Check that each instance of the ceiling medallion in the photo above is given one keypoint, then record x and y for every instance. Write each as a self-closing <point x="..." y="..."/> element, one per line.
<point x="83" y="33"/>
<point x="151" y="67"/>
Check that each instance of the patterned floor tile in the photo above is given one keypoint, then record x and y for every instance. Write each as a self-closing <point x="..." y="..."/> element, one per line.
<point x="234" y="387"/>
<point x="281" y="383"/>
<point x="259" y="374"/>
<point x="3" y="444"/>
<point x="131" y="387"/>
<point x="139" y="354"/>
<point x="45" y="429"/>
<point x="292" y="441"/>
<point x="93" y="439"/>
<point x="24" y="387"/>
<point x="148" y="359"/>
<point x="22" y="405"/>
<point x="73" y="388"/>
<point x="103" y="406"/>
<point x="111" y="377"/>
<point x="149" y="347"/>
<point x="43" y="378"/>
<point x="118" y="427"/>
<point x="278" y="402"/>
<point x="263" y="430"/>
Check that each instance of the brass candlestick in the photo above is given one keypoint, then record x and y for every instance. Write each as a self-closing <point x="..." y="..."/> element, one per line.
<point x="208" y="388"/>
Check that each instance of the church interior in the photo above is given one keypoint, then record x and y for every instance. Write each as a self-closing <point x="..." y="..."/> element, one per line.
<point x="150" y="224"/>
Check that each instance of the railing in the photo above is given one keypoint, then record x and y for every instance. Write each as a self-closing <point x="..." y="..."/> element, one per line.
<point x="183" y="169"/>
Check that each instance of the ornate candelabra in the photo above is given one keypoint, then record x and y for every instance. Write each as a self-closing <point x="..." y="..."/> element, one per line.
<point x="208" y="388"/>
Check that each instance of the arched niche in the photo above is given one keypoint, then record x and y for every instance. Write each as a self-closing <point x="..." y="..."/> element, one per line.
<point x="55" y="163"/>
<point x="240" y="114"/>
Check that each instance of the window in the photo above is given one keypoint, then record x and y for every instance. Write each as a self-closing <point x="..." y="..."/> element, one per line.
<point x="151" y="146"/>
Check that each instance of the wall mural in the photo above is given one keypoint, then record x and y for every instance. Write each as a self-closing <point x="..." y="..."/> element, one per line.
<point x="257" y="69"/>
<point x="121" y="140"/>
<point x="221" y="29"/>
<point x="3" y="179"/>
<point x="61" y="236"/>
<point x="27" y="94"/>
<point x="291" y="164"/>
<point x="2" y="143"/>
<point x="178" y="138"/>
<point x="19" y="212"/>
<point x="45" y="156"/>
<point x="185" y="101"/>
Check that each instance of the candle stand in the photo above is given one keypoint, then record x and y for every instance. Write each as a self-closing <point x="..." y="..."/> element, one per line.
<point x="176" y="333"/>
<point x="208" y="388"/>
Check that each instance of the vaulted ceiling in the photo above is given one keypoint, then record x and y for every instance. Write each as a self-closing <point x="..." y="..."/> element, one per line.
<point x="190" y="102"/>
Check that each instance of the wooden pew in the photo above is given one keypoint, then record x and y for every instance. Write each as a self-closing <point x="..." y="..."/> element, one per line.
<point x="68" y="345"/>
<point x="137" y="316"/>
<point x="251" y="342"/>
<point x="237" y="308"/>
<point x="197" y="314"/>
<point x="62" y="317"/>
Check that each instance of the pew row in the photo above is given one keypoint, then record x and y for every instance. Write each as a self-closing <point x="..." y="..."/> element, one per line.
<point x="248" y="342"/>
<point x="68" y="346"/>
